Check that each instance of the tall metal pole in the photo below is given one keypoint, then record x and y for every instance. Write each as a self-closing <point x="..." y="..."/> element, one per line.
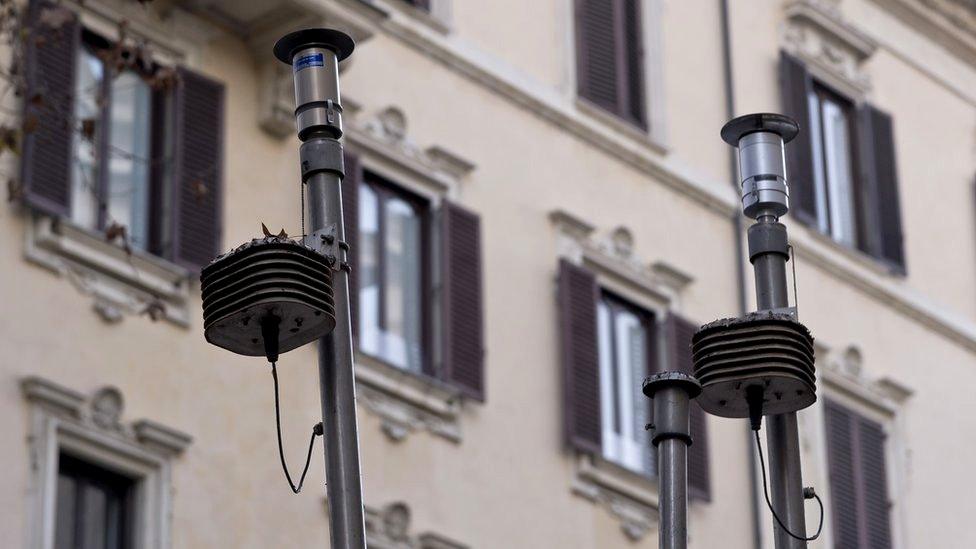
<point x="671" y="394"/>
<point x="765" y="197"/>
<point x="314" y="55"/>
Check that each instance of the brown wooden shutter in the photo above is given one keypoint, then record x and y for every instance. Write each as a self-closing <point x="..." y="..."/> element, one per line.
<point x="50" y="65"/>
<point x="463" y="316"/>
<point x="578" y="294"/>
<point x="885" y="174"/>
<point x="679" y="333"/>
<point x="198" y="153"/>
<point x="858" y="479"/>
<point x="795" y="85"/>
<point x="596" y="43"/>
<point x="350" y="222"/>
<point x="610" y="56"/>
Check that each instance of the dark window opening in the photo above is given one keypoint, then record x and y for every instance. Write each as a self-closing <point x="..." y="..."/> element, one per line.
<point x="94" y="507"/>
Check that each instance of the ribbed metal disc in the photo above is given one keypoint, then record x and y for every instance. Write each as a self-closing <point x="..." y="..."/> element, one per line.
<point x="766" y="349"/>
<point x="267" y="277"/>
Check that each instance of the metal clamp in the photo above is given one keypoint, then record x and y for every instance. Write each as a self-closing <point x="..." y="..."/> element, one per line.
<point x="321" y="155"/>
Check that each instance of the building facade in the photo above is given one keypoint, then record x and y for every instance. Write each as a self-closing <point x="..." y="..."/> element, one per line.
<point x="540" y="212"/>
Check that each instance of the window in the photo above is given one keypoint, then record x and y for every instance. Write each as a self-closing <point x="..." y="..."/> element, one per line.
<point x="392" y="260"/>
<point x="415" y="279"/>
<point x="608" y="347"/>
<point x="119" y="142"/>
<point x="610" y="57"/>
<point x="841" y="167"/>
<point x="419" y="4"/>
<point x="858" y="479"/>
<point x="119" y="119"/>
<point x="832" y="136"/>
<point x="93" y="507"/>
<point x="625" y="341"/>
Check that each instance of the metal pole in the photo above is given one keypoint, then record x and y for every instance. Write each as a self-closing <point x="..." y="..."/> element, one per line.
<point x="782" y="438"/>
<point x="314" y="55"/>
<point x="760" y="140"/>
<point x="671" y="394"/>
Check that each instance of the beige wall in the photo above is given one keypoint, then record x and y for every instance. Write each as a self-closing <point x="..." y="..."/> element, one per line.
<point x="507" y="483"/>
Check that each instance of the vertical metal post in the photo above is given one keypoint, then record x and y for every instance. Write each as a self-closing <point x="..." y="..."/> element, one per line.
<point x="782" y="438"/>
<point x="314" y="55"/>
<point x="760" y="140"/>
<point x="671" y="394"/>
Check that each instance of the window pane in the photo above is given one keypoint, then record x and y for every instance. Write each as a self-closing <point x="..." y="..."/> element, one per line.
<point x="839" y="172"/>
<point x="608" y="401"/>
<point x="819" y="177"/>
<point x="623" y="354"/>
<point x="129" y="154"/>
<point x="84" y="186"/>
<point x="369" y="290"/>
<point x="402" y="285"/>
<point x="92" y="507"/>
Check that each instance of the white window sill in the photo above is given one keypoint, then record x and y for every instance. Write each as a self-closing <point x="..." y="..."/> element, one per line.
<point x="630" y="497"/>
<point x="407" y="402"/>
<point x="119" y="283"/>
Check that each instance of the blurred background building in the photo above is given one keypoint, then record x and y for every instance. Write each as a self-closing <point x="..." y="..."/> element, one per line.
<point x="541" y="213"/>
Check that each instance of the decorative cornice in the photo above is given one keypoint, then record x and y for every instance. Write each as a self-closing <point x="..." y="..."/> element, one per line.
<point x="816" y="31"/>
<point x="103" y="414"/>
<point x="949" y="23"/>
<point x="389" y="527"/>
<point x="165" y="439"/>
<point x="631" y="499"/>
<point x="406" y="402"/>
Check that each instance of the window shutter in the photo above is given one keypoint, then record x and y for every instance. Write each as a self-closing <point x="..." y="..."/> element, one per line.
<point x="198" y="153"/>
<point x="597" y="64"/>
<point x="578" y="294"/>
<point x="795" y="85"/>
<point x="679" y="332"/>
<point x="634" y="60"/>
<point x="882" y="153"/>
<point x="463" y="328"/>
<point x="858" y="479"/>
<point x="840" y="464"/>
<point x="610" y="56"/>
<point x="350" y="222"/>
<point x="877" y="524"/>
<point x="47" y="150"/>
<point x="869" y="223"/>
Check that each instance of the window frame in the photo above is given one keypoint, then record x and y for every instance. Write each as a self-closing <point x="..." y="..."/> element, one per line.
<point x="91" y="42"/>
<point x="616" y="303"/>
<point x="384" y="189"/>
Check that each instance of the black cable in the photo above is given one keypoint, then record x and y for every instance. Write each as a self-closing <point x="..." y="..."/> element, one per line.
<point x="316" y="431"/>
<point x="762" y="462"/>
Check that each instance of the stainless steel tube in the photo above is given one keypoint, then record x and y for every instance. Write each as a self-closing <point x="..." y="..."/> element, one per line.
<point x="338" y="384"/>
<point x="782" y="439"/>
<point x="672" y="460"/>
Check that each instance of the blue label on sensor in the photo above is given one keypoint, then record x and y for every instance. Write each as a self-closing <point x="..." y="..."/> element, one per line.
<point x="306" y="61"/>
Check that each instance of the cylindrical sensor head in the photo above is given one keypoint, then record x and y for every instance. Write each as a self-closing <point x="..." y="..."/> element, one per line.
<point x="314" y="55"/>
<point x="760" y="139"/>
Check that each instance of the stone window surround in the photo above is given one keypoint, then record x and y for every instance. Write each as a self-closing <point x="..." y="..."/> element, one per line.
<point x="121" y="284"/>
<point x="628" y="496"/>
<point x="405" y="401"/>
<point x="656" y="134"/>
<point x="62" y="419"/>
<point x="843" y="379"/>
<point x="389" y="528"/>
